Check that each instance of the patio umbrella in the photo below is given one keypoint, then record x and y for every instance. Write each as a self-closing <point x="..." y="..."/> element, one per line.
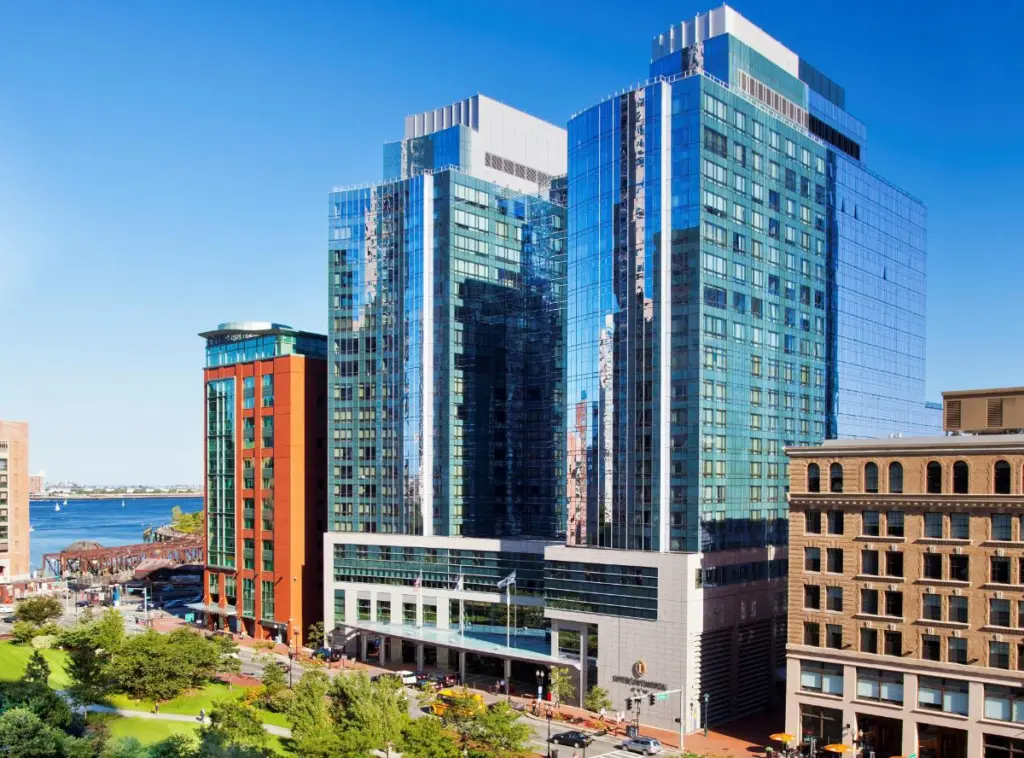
<point x="838" y="748"/>
<point x="782" y="737"/>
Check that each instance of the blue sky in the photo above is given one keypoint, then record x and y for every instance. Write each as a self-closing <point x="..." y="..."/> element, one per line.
<point x="164" y="167"/>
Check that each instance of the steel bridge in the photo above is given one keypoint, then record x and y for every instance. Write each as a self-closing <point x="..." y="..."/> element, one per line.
<point x="110" y="561"/>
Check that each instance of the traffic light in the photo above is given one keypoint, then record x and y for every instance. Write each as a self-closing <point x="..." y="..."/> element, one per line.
<point x="629" y="703"/>
<point x="651" y="699"/>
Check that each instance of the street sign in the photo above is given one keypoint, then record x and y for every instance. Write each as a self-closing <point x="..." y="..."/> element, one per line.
<point x="189" y="618"/>
<point x="662" y="696"/>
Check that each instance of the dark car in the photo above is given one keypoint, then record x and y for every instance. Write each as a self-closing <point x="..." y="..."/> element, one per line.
<point x="322" y="653"/>
<point x="573" y="739"/>
<point x="445" y="680"/>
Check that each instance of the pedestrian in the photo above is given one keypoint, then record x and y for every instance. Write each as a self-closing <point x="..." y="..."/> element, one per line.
<point x="601" y="714"/>
<point x="497" y="687"/>
<point x="202" y="715"/>
<point x="156" y="709"/>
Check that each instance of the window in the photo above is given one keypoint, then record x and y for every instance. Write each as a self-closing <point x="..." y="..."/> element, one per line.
<point x="834" y="636"/>
<point x="1002" y="478"/>
<point x="894" y="523"/>
<point x="1004" y="704"/>
<point x="933" y="525"/>
<point x="869" y="640"/>
<point x="959" y="568"/>
<point x="895" y="477"/>
<point x="894" y="603"/>
<point x="1002" y="527"/>
<point x="812" y="597"/>
<point x="957" y="609"/>
<point x="932" y="566"/>
<point x="959" y="526"/>
<point x="893" y="563"/>
<point x="869" y="562"/>
<point x="267" y="590"/>
<point x="869" y="602"/>
<point x="812" y="634"/>
<point x="835" y="475"/>
<point x="267" y="391"/>
<point x="934" y="478"/>
<point x="884" y="686"/>
<point x="961" y="478"/>
<point x="931" y="647"/>
<point x="871" y="477"/>
<point x="956" y="650"/>
<point x="812" y="519"/>
<point x="821" y="677"/>
<point x="998" y="654"/>
<point x="824" y="724"/>
<point x="834" y="598"/>
<point x="835" y="522"/>
<point x="814" y="478"/>
<point x="834" y="556"/>
<point x="948" y="695"/>
<point x="249" y="392"/>
<point x="999" y="570"/>
<point x="363" y="609"/>
<point x="998" y="612"/>
<point x="869" y="523"/>
<point x="892" y="643"/>
<point x="931" y="606"/>
<point x="812" y="559"/>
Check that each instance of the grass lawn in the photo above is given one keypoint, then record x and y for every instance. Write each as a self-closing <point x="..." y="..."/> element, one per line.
<point x="148" y="731"/>
<point x="190" y="703"/>
<point x="14" y="657"/>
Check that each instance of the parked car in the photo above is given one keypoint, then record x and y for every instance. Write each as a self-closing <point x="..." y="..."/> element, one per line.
<point x="642" y="745"/>
<point x="573" y="739"/>
<point x="445" y="680"/>
<point x="322" y="653"/>
<point x="405" y="677"/>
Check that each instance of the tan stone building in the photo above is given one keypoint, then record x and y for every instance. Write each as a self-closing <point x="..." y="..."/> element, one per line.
<point x="14" y="485"/>
<point x="906" y="587"/>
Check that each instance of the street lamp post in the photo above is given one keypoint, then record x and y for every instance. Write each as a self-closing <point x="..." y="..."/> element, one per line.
<point x="707" y="698"/>
<point x="549" y="732"/>
<point x="540" y="686"/>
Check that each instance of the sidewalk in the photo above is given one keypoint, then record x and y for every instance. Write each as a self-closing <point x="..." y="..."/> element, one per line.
<point x="280" y="731"/>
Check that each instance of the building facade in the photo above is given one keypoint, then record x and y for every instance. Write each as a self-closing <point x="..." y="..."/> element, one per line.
<point x="265" y="493"/>
<point x="36" y="484"/>
<point x="14" y="515"/>
<point x="905" y="607"/>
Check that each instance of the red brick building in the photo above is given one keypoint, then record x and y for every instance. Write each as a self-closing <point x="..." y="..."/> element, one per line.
<point x="265" y="486"/>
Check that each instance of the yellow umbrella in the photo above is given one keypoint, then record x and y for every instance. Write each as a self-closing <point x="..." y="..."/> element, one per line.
<point x="782" y="737"/>
<point x="838" y="748"/>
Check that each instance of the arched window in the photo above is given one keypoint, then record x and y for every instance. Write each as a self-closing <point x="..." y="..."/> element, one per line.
<point x="814" y="478"/>
<point x="895" y="477"/>
<point x="835" y="477"/>
<point x="871" y="477"/>
<point x="961" y="478"/>
<point x="1002" y="478"/>
<point x="934" y="478"/>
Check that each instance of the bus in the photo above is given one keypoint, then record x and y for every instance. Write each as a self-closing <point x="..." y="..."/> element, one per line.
<point x="471" y="702"/>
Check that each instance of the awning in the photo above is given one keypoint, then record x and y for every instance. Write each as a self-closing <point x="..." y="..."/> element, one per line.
<point x="217" y="610"/>
<point x="451" y="638"/>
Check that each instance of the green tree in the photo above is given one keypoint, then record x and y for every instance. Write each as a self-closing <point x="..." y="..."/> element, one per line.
<point x="24" y="735"/>
<point x="375" y="711"/>
<point x="125" y="747"/>
<point x="38" y="610"/>
<point x="24" y="631"/>
<point x="497" y="732"/>
<point x="310" y="714"/>
<point x="427" y="738"/>
<point x="159" y="667"/>
<point x="189" y="523"/>
<point x="90" y="645"/>
<point x="597" y="699"/>
<point x="49" y="706"/>
<point x="226" y="651"/>
<point x="561" y="685"/>
<point x="233" y="724"/>
<point x="175" y="746"/>
<point x="315" y="635"/>
<point x="37" y="669"/>
<point x="274" y="681"/>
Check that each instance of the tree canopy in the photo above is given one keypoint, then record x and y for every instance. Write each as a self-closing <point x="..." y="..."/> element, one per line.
<point x="39" y="609"/>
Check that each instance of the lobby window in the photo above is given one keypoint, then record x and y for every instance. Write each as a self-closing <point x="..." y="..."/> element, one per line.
<point x="1001" y="478"/>
<point x="882" y="686"/>
<point x="957" y="609"/>
<point x="932" y="566"/>
<point x="869" y="641"/>
<point x="812" y="597"/>
<point x="871" y="477"/>
<point x="999" y="570"/>
<point x="814" y="478"/>
<point x="812" y="559"/>
<point x="998" y="612"/>
<point x="931" y="606"/>
<point x="267" y="391"/>
<point x="959" y="526"/>
<point x="824" y="724"/>
<point x="835" y="475"/>
<point x="835" y="522"/>
<point x="893" y="643"/>
<point x="893" y="563"/>
<point x="812" y="634"/>
<point x="998" y="655"/>
<point x="821" y="677"/>
<point x="869" y="524"/>
<point x="959" y="568"/>
<point x="894" y="603"/>
<point x="1004" y="704"/>
<point x="947" y="695"/>
<point x="931" y="647"/>
<point x="961" y="478"/>
<point x="933" y="525"/>
<point x="834" y="636"/>
<point x="869" y="562"/>
<point x="834" y="556"/>
<point x="1002" y="527"/>
<point x="869" y="602"/>
<point x="812" y="519"/>
<point x="894" y="524"/>
<point x="895" y="477"/>
<point x="934" y="478"/>
<point x="834" y="598"/>
<point x="956" y="650"/>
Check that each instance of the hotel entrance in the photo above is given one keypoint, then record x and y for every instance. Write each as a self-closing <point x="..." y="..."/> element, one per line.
<point x="881" y="735"/>
<point x="941" y="742"/>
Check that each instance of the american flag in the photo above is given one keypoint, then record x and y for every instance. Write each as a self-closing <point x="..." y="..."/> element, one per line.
<point x="460" y="583"/>
<point x="419" y="581"/>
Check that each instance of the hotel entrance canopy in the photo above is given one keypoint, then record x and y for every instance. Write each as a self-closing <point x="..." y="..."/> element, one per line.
<point x="522" y="649"/>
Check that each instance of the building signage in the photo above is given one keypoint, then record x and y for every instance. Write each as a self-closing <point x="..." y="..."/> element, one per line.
<point x="637" y="679"/>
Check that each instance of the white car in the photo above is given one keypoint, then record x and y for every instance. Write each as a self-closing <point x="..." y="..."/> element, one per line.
<point x="407" y="677"/>
<point x="642" y="745"/>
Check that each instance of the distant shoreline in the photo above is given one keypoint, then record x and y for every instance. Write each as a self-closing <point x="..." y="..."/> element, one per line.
<point x="115" y="495"/>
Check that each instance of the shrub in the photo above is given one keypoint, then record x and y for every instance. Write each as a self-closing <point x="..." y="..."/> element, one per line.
<point x="44" y="641"/>
<point x="24" y="631"/>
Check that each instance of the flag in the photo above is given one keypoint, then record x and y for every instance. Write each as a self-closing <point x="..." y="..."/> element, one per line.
<point x="419" y="581"/>
<point x="460" y="583"/>
<point x="508" y="581"/>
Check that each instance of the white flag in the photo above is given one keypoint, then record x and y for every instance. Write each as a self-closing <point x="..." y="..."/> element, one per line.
<point x="507" y="581"/>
